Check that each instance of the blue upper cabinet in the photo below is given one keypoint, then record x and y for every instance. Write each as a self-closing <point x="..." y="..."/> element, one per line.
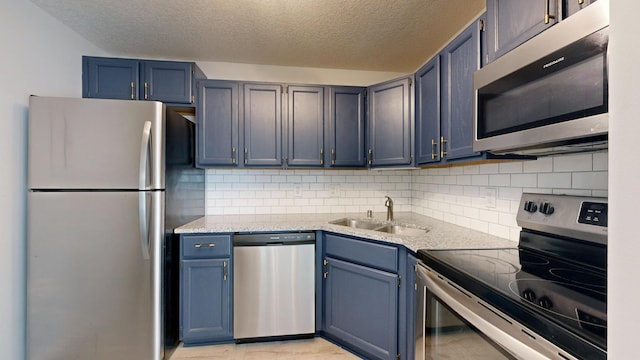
<point x="428" y="112"/>
<point x="283" y="125"/>
<point x="459" y="60"/>
<point x="262" y="125"/>
<point x="390" y="124"/>
<point x="167" y="81"/>
<point x="305" y="126"/>
<point x="171" y="82"/>
<point x="444" y="101"/>
<point x="217" y="123"/>
<point x="110" y="78"/>
<point x="571" y="7"/>
<point x="346" y="141"/>
<point x="512" y="22"/>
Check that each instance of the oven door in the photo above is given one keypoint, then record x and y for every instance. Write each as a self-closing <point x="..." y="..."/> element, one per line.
<point x="452" y="323"/>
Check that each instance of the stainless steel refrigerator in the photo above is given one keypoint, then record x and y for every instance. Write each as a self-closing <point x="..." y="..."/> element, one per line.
<point x="108" y="181"/>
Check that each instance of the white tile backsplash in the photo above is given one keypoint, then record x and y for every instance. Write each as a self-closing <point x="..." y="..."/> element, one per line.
<point x="460" y="195"/>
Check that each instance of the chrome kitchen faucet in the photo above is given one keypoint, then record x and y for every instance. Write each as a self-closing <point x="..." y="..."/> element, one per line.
<point x="389" y="204"/>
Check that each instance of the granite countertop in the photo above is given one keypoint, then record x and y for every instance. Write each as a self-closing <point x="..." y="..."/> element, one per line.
<point x="441" y="235"/>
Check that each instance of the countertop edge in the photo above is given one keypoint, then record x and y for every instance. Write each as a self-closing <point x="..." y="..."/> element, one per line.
<point x="441" y="235"/>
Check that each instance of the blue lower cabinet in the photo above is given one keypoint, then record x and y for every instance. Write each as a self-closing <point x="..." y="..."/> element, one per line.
<point x="410" y="313"/>
<point x="361" y="307"/>
<point x="205" y="290"/>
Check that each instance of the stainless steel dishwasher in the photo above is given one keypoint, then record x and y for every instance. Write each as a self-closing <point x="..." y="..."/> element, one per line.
<point x="274" y="288"/>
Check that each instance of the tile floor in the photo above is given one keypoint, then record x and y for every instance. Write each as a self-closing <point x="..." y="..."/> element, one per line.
<point x="315" y="349"/>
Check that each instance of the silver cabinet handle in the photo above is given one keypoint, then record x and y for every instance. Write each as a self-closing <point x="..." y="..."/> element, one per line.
<point x="132" y="88"/>
<point x="433" y="149"/>
<point x="442" y="142"/>
<point x="233" y="155"/>
<point x="333" y="156"/>
<point x="321" y="156"/>
<point x="224" y="270"/>
<point x="198" y="245"/>
<point x="370" y="156"/>
<point x="146" y="93"/>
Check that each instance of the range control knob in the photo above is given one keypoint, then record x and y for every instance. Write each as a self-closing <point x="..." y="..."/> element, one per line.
<point x="545" y="302"/>
<point x="528" y="294"/>
<point x="530" y="206"/>
<point x="546" y="208"/>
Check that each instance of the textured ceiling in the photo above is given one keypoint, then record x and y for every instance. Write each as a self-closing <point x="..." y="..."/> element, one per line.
<point x="380" y="35"/>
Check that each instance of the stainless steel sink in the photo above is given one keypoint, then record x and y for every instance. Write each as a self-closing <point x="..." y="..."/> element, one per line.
<point x="355" y="223"/>
<point x="402" y="230"/>
<point x="377" y="226"/>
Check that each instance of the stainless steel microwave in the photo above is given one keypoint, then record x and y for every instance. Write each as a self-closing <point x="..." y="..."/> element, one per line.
<point x="550" y="95"/>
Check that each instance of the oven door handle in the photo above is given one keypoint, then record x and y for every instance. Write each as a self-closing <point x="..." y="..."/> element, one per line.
<point x="483" y="318"/>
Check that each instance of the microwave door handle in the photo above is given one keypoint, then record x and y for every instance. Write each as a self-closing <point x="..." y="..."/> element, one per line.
<point x="452" y="297"/>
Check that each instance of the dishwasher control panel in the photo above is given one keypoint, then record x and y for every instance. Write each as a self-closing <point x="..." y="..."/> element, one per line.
<point x="256" y="239"/>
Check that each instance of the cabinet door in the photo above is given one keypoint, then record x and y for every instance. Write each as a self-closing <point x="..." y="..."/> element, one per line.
<point x="167" y="81"/>
<point x="411" y="323"/>
<point x="110" y="78"/>
<point x="346" y="126"/>
<point x="512" y="22"/>
<point x="460" y="59"/>
<point x="205" y="301"/>
<point x="217" y="123"/>
<point x="428" y="112"/>
<point x="262" y="123"/>
<point x="390" y="123"/>
<point x="305" y="130"/>
<point x="361" y="308"/>
<point x="571" y="7"/>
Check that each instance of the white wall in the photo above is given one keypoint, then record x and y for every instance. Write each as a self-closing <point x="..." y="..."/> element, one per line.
<point x="256" y="191"/>
<point x="39" y="56"/>
<point x="486" y="197"/>
<point x="624" y="181"/>
<point x="293" y="75"/>
<point x="481" y="197"/>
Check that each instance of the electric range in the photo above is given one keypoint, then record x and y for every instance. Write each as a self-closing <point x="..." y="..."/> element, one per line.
<point x="554" y="282"/>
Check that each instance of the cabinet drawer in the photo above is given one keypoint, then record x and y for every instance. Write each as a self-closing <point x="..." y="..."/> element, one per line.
<point x="366" y="253"/>
<point x="205" y="246"/>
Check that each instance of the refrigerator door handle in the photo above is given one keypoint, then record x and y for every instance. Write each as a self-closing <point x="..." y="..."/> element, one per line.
<point x="144" y="225"/>
<point x="144" y="155"/>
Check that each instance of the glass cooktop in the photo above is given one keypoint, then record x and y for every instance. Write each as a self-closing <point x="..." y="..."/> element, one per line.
<point x="563" y="301"/>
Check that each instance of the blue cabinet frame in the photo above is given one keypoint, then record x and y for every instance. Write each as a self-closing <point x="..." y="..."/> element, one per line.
<point x="206" y="288"/>
<point x="217" y="123"/>
<point x="171" y="82"/>
<point x="362" y="295"/>
<point x="512" y="22"/>
<point x="390" y="124"/>
<point x="305" y="126"/>
<point x="346" y="140"/>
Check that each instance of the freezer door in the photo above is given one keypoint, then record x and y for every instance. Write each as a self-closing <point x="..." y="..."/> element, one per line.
<point x="93" y="284"/>
<point x="95" y="144"/>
